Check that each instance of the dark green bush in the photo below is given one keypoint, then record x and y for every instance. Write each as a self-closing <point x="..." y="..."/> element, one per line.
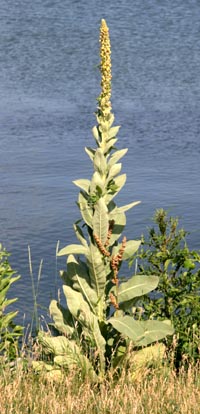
<point x="166" y="254"/>
<point x="9" y="332"/>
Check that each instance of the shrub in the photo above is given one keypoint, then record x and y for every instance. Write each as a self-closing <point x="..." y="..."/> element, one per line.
<point x="9" y="332"/>
<point x="166" y="254"/>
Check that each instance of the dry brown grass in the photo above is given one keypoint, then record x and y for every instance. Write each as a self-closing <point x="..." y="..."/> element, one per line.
<point x="154" y="392"/>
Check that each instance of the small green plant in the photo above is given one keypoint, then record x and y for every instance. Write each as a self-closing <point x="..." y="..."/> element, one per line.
<point x="97" y="329"/>
<point x="9" y="332"/>
<point x="165" y="253"/>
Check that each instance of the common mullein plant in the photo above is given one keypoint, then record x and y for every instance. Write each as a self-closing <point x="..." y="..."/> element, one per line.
<point x="97" y="327"/>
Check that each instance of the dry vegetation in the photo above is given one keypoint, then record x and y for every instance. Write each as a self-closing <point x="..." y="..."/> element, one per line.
<point x="154" y="392"/>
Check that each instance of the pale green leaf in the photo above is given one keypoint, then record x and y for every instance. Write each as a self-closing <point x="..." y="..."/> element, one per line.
<point x="97" y="270"/>
<point x="114" y="170"/>
<point x="80" y="235"/>
<point x="110" y="145"/>
<point x="100" y="220"/>
<point x="119" y="183"/>
<point x="100" y="164"/>
<point x="112" y="133"/>
<point x="131" y="248"/>
<point x="128" y="206"/>
<point x="81" y="311"/>
<point x="85" y="210"/>
<point x="62" y="318"/>
<point x="79" y="279"/>
<point x="119" y="224"/>
<point x="142" y="333"/>
<point x="73" y="249"/>
<point x="90" y="152"/>
<point x="59" y="345"/>
<point x="84" y="184"/>
<point x="143" y="357"/>
<point x="136" y="286"/>
<point x="116" y="156"/>
<point x="96" y="182"/>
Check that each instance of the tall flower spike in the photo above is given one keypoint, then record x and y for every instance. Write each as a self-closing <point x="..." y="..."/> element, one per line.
<point x="104" y="107"/>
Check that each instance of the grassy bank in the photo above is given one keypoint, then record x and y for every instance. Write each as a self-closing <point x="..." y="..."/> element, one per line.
<point x="154" y="392"/>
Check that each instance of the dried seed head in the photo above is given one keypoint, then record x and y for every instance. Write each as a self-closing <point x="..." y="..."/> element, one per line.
<point x="110" y="230"/>
<point x="113" y="301"/>
<point x="101" y="246"/>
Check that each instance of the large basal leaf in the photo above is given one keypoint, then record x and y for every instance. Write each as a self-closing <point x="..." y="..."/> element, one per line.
<point x="62" y="318"/>
<point x="144" y="356"/>
<point x="76" y="358"/>
<point x="84" y="184"/>
<point x="79" y="279"/>
<point x="81" y="312"/>
<point x="100" y="220"/>
<point x="96" y="270"/>
<point x="85" y="210"/>
<point x="142" y="333"/>
<point x="136" y="286"/>
<point x="73" y="249"/>
<point x="59" y="345"/>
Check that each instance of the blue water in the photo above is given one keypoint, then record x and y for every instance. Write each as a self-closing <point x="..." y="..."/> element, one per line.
<point x="49" y="82"/>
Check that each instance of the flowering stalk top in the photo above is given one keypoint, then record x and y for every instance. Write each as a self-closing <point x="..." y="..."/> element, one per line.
<point x="104" y="107"/>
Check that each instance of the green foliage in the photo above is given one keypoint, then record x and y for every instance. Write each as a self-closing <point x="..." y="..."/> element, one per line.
<point x="9" y="332"/>
<point x="98" y="322"/>
<point x="165" y="253"/>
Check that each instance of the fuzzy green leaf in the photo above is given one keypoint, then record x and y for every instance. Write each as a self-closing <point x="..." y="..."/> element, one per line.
<point x="62" y="318"/>
<point x="153" y="353"/>
<point x="80" y="235"/>
<point x="85" y="210"/>
<point x="128" y="206"/>
<point x="97" y="270"/>
<point x="100" y="220"/>
<point x="131" y="248"/>
<point x="79" y="279"/>
<point x="113" y="132"/>
<point x="142" y="333"/>
<point x="96" y="183"/>
<point x="118" y="184"/>
<point x="90" y="152"/>
<point x="114" y="170"/>
<point x="96" y="134"/>
<point x="59" y="345"/>
<point x="73" y="249"/>
<point x="81" y="312"/>
<point x="76" y="358"/>
<point x="109" y="145"/>
<point x="84" y="184"/>
<point x="136" y="286"/>
<point x="116" y="156"/>
<point x="100" y="164"/>
<point x="119" y="223"/>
